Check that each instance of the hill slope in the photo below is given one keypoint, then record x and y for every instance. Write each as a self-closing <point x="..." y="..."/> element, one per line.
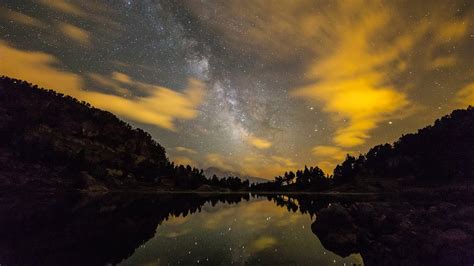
<point x="50" y="140"/>
<point x="436" y="154"/>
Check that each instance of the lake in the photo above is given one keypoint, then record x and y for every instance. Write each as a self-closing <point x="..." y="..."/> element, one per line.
<point x="160" y="229"/>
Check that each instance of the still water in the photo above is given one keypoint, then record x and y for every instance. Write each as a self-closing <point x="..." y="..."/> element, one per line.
<point x="169" y="229"/>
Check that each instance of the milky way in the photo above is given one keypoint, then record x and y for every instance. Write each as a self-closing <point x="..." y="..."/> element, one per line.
<point x="256" y="87"/>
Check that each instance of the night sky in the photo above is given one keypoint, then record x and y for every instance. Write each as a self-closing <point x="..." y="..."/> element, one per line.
<point x="256" y="87"/>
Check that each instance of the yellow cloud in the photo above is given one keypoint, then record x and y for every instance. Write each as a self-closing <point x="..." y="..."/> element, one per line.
<point x="63" y="6"/>
<point x="183" y="160"/>
<point x="108" y="84"/>
<point x="186" y="150"/>
<point x="465" y="96"/>
<point x="283" y="161"/>
<point x="259" y="143"/>
<point x="161" y="107"/>
<point x="453" y="30"/>
<point x="121" y="77"/>
<point x="252" y="164"/>
<point x="351" y="81"/>
<point x="329" y="156"/>
<point x="217" y="160"/>
<point x="263" y="243"/>
<point x="443" y="61"/>
<point x="77" y="34"/>
<point x="330" y="152"/>
<point x="37" y="67"/>
<point x="21" y="18"/>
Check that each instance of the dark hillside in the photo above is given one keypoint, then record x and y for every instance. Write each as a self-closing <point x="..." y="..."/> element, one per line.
<point x="50" y="140"/>
<point x="437" y="154"/>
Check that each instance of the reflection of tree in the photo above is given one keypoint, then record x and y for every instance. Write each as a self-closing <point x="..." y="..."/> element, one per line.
<point x="83" y="230"/>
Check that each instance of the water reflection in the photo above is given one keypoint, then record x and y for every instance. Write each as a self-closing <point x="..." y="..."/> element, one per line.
<point x="187" y="229"/>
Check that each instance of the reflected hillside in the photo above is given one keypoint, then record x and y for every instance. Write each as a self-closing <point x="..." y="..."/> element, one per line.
<point x="79" y="229"/>
<point x="390" y="228"/>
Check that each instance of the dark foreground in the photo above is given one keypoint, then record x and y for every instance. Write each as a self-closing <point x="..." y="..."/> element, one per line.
<point x="416" y="228"/>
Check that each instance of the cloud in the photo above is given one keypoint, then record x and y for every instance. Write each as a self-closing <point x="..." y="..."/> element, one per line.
<point x="183" y="160"/>
<point x="452" y="30"/>
<point x="443" y="61"/>
<point x="21" y="18"/>
<point x="217" y="160"/>
<point x="37" y="67"/>
<point x="265" y="166"/>
<point x="465" y="96"/>
<point x="63" y="6"/>
<point x="351" y="82"/>
<point x="185" y="150"/>
<point x="76" y="34"/>
<point x="329" y="156"/>
<point x="161" y="106"/>
<point x="252" y="164"/>
<point x="259" y="143"/>
<point x="283" y="161"/>
<point x="330" y="152"/>
<point x="121" y="77"/>
<point x="109" y="84"/>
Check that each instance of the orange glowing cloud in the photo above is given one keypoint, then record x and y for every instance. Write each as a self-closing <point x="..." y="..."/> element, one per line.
<point x="252" y="164"/>
<point x="443" y="61"/>
<point x="37" y="67"/>
<point x="263" y="243"/>
<point x="185" y="150"/>
<point x="351" y="81"/>
<point x="465" y="96"/>
<point x="259" y="143"/>
<point x="183" y="160"/>
<point x="63" y="6"/>
<point x="76" y="34"/>
<point x="329" y="156"/>
<point x="21" y="18"/>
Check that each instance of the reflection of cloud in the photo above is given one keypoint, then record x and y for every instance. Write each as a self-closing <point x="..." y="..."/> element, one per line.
<point x="465" y="96"/>
<point x="177" y="220"/>
<point x="20" y="18"/>
<point x="177" y="233"/>
<point x="259" y="143"/>
<point x="161" y="106"/>
<point x="263" y="242"/>
<point x="75" y="33"/>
